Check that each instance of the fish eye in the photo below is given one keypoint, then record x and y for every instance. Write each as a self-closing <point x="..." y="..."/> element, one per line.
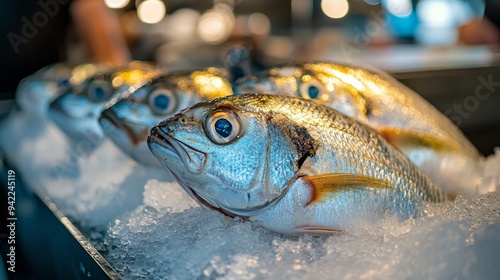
<point x="100" y="91"/>
<point x="222" y="127"/>
<point x="313" y="90"/>
<point x="162" y="101"/>
<point x="64" y="83"/>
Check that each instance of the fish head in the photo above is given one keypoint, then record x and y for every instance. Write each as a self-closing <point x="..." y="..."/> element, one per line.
<point x="34" y="92"/>
<point x="328" y="84"/>
<point x="76" y="111"/>
<point x="128" y="120"/>
<point x="227" y="157"/>
<point x="34" y="95"/>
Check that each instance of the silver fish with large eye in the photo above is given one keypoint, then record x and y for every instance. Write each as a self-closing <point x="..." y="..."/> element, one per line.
<point x="405" y="119"/>
<point x="35" y="92"/>
<point x="127" y="120"/>
<point x="289" y="164"/>
<point x="77" y="110"/>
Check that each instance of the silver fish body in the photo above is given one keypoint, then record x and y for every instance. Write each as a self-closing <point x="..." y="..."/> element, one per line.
<point x="427" y="137"/>
<point x="289" y="164"/>
<point x="77" y="110"/>
<point x="127" y="120"/>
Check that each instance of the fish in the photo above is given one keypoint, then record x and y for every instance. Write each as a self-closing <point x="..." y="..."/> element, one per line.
<point x="76" y="111"/>
<point x="128" y="119"/>
<point x="427" y="137"/>
<point x="288" y="164"/>
<point x="35" y="92"/>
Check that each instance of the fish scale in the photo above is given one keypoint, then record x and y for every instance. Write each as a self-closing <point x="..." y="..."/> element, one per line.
<point x="405" y="119"/>
<point x="350" y="172"/>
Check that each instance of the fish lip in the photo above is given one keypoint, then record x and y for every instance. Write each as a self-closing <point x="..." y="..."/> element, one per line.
<point x="194" y="160"/>
<point x="122" y="125"/>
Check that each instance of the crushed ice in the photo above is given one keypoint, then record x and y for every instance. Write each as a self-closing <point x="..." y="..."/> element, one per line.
<point x="148" y="228"/>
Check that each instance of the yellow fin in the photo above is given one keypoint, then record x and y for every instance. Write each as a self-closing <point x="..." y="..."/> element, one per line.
<point x="316" y="230"/>
<point x="402" y="138"/>
<point x="324" y="184"/>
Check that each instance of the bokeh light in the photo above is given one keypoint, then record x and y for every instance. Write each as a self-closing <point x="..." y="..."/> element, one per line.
<point x="399" y="8"/>
<point x="116" y="4"/>
<point x="435" y="13"/>
<point x="259" y="24"/>
<point x="151" y="11"/>
<point x="216" y="25"/>
<point x="335" y="8"/>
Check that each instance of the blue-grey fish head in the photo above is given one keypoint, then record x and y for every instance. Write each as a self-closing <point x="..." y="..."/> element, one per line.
<point x="127" y="121"/>
<point x="227" y="158"/>
<point x="76" y="111"/>
<point x="34" y="92"/>
<point x="34" y="95"/>
<point x="322" y="83"/>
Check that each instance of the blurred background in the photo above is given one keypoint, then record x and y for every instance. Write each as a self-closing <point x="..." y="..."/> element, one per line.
<point x="446" y="50"/>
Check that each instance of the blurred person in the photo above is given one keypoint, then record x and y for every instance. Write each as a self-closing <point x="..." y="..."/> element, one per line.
<point x="485" y="30"/>
<point x="35" y="34"/>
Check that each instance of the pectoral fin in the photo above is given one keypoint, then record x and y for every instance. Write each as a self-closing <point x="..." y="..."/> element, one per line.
<point x="402" y="139"/>
<point x="316" y="231"/>
<point x="324" y="184"/>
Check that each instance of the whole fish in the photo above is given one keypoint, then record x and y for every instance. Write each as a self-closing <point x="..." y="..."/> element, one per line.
<point x="406" y="120"/>
<point x="34" y="92"/>
<point x="128" y="119"/>
<point x="289" y="164"/>
<point x="77" y="110"/>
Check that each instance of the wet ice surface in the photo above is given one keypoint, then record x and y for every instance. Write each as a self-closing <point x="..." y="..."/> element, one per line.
<point x="195" y="244"/>
<point x="148" y="228"/>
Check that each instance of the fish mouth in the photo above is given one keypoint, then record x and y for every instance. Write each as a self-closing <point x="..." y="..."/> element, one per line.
<point x="110" y="122"/>
<point x="193" y="159"/>
<point x="129" y="142"/>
